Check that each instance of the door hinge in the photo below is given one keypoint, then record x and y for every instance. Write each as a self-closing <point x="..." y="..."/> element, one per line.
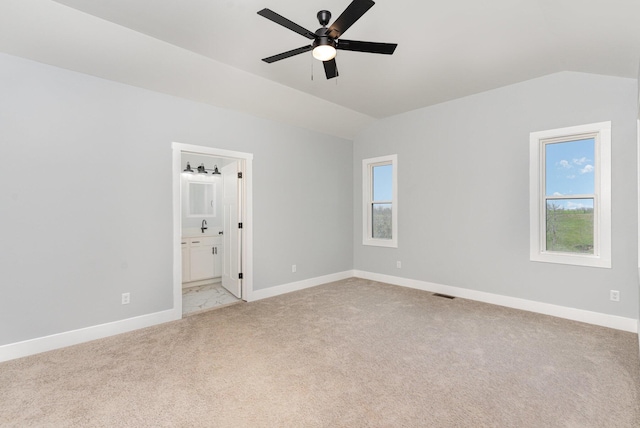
<point x="240" y="275"/>
<point x="239" y="225"/>
<point x="239" y="175"/>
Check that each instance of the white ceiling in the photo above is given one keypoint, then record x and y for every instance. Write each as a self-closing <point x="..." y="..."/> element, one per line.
<point x="446" y="50"/>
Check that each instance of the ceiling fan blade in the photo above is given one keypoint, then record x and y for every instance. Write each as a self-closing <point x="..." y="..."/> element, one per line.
<point x="370" y="47"/>
<point x="287" y="54"/>
<point x="330" y="68"/>
<point x="351" y="14"/>
<point x="279" y="19"/>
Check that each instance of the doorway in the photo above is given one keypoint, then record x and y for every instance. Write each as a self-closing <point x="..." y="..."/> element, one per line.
<point x="212" y="224"/>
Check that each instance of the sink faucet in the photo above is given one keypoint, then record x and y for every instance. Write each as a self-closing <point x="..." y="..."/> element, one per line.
<point x="204" y="226"/>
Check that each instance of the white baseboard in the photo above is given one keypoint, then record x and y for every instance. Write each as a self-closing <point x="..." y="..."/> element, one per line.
<point x="596" y="318"/>
<point x="299" y="285"/>
<point x="60" y="340"/>
<point x="200" y="283"/>
<point x="74" y="337"/>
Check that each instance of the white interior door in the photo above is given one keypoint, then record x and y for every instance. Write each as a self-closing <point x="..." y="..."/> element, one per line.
<point x="231" y="207"/>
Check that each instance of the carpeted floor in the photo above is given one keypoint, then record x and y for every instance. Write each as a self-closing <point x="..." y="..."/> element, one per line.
<point x="353" y="353"/>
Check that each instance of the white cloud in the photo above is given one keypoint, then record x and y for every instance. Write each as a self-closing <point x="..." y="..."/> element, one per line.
<point x="587" y="169"/>
<point x="576" y="205"/>
<point x="565" y="164"/>
<point x="571" y="177"/>
<point x="557" y="194"/>
<point x="580" y="161"/>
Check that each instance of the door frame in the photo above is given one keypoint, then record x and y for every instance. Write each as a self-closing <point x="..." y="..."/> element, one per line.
<point x="246" y="209"/>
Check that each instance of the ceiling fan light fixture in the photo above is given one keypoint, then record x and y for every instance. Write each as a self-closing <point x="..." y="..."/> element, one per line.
<point x="324" y="49"/>
<point x="327" y="39"/>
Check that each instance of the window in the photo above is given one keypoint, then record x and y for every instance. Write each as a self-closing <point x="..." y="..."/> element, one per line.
<point x="380" y="205"/>
<point x="570" y="195"/>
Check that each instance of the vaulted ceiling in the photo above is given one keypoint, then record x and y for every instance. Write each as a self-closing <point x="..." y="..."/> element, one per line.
<point x="211" y="50"/>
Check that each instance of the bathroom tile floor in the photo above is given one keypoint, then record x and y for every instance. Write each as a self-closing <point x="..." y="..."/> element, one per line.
<point x="205" y="297"/>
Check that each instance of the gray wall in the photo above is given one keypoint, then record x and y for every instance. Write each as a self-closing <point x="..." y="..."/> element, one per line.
<point x="463" y="174"/>
<point x="86" y="186"/>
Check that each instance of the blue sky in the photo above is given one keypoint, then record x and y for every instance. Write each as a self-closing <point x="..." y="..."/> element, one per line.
<point x="382" y="180"/>
<point x="569" y="170"/>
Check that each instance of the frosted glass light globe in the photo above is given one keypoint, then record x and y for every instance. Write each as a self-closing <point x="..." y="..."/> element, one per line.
<point x="324" y="52"/>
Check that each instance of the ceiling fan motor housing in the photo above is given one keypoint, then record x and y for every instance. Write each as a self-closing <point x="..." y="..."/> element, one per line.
<point x="323" y="17"/>
<point x="323" y="39"/>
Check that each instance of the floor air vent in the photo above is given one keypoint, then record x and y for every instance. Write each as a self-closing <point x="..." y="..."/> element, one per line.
<point x="446" y="296"/>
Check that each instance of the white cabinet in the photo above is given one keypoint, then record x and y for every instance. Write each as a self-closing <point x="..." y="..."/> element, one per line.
<point x="201" y="254"/>
<point x="201" y="258"/>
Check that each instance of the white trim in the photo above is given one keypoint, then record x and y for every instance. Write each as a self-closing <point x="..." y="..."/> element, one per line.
<point x="596" y="318"/>
<point x="176" y="171"/>
<point x="638" y="189"/>
<point x="300" y="285"/>
<point x="247" y="230"/>
<point x="205" y="150"/>
<point x="367" y="179"/>
<point x="246" y="166"/>
<point x="60" y="340"/>
<point x="74" y="337"/>
<point x="602" y="198"/>
<point x="200" y="283"/>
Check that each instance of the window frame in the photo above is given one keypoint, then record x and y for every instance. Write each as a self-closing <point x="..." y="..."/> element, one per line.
<point x="601" y="132"/>
<point x="367" y="201"/>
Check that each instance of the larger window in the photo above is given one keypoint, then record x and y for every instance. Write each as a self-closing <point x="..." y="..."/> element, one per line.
<point x="380" y="204"/>
<point x="570" y="205"/>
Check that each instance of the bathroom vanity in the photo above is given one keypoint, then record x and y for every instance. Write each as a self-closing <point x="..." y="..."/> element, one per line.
<point x="201" y="222"/>
<point x="201" y="260"/>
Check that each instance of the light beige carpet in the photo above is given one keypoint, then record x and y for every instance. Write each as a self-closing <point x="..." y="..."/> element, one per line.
<point x="353" y="353"/>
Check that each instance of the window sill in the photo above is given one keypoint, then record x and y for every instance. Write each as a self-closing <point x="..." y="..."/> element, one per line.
<point x="572" y="259"/>
<point x="389" y="243"/>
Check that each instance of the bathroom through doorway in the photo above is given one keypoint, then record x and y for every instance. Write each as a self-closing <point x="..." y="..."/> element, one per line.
<point x="212" y="227"/>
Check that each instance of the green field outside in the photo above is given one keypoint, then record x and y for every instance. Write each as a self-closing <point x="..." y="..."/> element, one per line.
<point x="569" y="231"/>
<point x="381" y="221"/>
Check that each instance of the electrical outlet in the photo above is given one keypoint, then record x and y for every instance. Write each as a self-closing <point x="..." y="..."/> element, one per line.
<point x="293" y="268"/>
<point x="398" y="264"/>
<point x="614" y="295"/>
<point x="126" y="298"/>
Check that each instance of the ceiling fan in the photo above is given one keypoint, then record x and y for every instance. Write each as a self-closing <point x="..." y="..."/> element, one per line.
<point x="327" y="39"/>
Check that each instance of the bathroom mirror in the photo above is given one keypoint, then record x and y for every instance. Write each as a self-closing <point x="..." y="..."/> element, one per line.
<point x="202" y="200"/>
